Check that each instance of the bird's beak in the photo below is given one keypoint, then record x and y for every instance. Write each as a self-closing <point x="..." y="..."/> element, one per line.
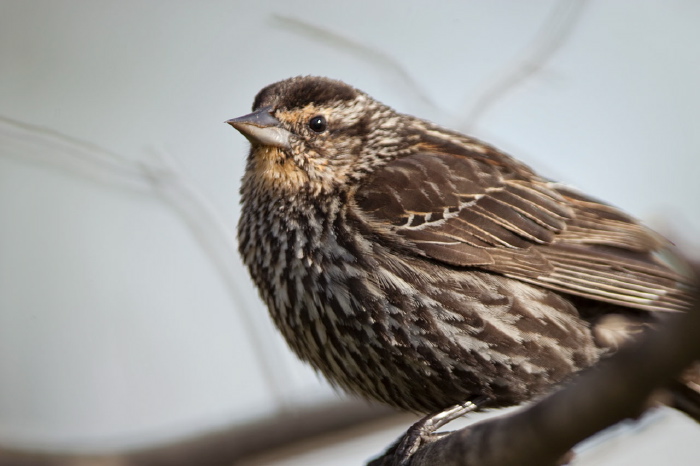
<point x="261" y="128"/>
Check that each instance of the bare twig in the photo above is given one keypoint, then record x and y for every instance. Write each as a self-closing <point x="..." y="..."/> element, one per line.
<point x="157" y="177"/>
<point x="225" y="446"/>
<point x="549" y="38"/>
<point x="381" y="61"/>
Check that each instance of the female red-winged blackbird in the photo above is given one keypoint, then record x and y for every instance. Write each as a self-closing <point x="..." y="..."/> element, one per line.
<point x="422" y="268"/>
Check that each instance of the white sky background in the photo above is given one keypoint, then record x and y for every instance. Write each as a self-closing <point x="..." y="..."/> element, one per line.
<point x="125" y="315"/>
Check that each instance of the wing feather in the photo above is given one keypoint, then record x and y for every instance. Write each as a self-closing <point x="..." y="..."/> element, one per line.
<point x="484" y="211"/>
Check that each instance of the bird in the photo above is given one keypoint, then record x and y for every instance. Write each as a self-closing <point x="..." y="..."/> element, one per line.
<point x="422" y="268"/>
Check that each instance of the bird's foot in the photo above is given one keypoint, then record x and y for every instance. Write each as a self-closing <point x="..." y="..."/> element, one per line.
<point x="424" y="431"/>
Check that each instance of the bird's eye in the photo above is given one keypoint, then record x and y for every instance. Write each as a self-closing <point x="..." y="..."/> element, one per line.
<point x="318" y="124"/>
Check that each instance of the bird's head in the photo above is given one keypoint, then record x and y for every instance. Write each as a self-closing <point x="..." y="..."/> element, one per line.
<point x="317" y="135"/>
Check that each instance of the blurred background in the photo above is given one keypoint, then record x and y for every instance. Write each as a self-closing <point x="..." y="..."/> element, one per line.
<point x="129" y="330"/>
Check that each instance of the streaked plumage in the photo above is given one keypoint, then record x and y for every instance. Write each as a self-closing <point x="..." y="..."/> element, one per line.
<point x="420" y="267"/>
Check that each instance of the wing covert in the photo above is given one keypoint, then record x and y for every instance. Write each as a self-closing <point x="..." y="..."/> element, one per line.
<point x="481" y="212"/>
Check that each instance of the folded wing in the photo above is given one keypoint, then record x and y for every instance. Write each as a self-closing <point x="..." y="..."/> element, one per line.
<point x="487" y="211"/>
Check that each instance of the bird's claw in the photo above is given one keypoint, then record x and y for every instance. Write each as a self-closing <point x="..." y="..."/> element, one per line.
<point x="423" y="431"/>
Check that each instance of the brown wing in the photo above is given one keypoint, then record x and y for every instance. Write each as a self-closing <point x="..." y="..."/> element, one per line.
<point x="489" y="212"/>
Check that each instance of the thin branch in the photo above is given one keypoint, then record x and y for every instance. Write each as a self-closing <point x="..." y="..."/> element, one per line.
<point x="158" y="177"/>
<point x="218" y="241"/>
<point x="381" y="61"/>
<point x="225" y="446"/>
<point x="551" y="36"/>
